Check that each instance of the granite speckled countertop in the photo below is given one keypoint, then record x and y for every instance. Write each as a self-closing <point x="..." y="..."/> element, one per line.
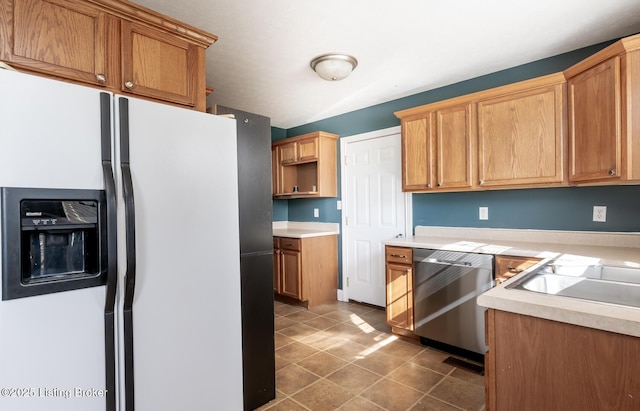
<point x="293" y="229"/>
<point x="615" y="249"/>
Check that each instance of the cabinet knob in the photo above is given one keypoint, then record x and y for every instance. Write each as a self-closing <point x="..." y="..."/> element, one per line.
<point x="612" y="172"/>
<point x="128" y="84"/>
<point x="514" y="270"/>
<point x="429" y="185"/>
<point x="439" y="184"/>
<point x="481" y="182"/>
<point x="101" y="78"/>
<point x="406" y="272"/>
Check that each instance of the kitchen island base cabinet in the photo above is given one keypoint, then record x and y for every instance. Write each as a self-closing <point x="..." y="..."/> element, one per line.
<point x="537" y="364"/>
<point x="306" y="269"/>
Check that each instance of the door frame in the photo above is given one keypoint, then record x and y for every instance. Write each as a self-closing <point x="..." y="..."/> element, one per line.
<point x="343" y="294"/>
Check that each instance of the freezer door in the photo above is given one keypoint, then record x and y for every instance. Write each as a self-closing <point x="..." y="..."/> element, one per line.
<point x="185" y="310"/>
<point x="51" y="346"/>
<point x="254" y="180"/>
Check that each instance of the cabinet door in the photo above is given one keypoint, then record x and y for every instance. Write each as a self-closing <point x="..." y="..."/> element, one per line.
<point x="291" y="285"/>
<point x="400" y="296"/>
<point x="57" y="37"/>
<point x="308" y="149"/>
<point x="288" y="153"/>
<point x="520" y="138"/>
<point x="416" y="154"/>
<point x="454" y="147"/>
<point x="594" y="123"/>
<point x="158" y="65"/>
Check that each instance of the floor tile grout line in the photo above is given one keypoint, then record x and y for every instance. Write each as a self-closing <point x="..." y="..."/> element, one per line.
<point x="376" y="328"/>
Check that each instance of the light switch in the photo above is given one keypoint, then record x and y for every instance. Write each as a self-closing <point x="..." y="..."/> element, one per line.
<point x="316" y="212"/>
<point x="483" y="213"/>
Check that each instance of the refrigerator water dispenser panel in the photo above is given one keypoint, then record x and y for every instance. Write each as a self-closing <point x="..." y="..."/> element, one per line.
<point x="52" y="240"/>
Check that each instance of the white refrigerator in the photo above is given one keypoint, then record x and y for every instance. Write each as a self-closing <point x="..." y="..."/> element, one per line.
<point x="164" y="332"/>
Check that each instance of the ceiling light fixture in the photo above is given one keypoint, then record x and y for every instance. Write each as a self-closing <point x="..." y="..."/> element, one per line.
<point x="334" y="67"/>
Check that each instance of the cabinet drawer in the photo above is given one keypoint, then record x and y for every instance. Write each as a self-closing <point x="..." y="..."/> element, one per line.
<point x="399" y="255"/>
<point x="507" y="267"/>
<point x="290" y="243"/>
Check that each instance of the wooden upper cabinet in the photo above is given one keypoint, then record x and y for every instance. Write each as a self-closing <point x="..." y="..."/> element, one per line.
<point x="603" y="113"/>
<point x="288" y="153"/>
<point x="157" y="64"/>
<point x="299" y="151"/>
<point x="306" y="166"/>
<point x="114" y="44"/>
<point x="308" y="149"/>
<point x="59" y="37"/>
<point x="595" y="123"/>
<point x="416" y="154"/>
<point x="509" y="136"/>
<point x="521" y="137"/>
<point x="437" y="149"/>
<point x="454" y="147"/>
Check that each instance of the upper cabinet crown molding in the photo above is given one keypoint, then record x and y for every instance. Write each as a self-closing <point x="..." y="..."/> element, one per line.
<point x="135" y="12"/>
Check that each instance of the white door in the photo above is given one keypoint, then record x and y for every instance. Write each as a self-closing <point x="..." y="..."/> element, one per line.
<point x="375" y="210"/>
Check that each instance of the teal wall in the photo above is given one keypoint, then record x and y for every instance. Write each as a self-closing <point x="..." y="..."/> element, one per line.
<point x="567" y="208"/>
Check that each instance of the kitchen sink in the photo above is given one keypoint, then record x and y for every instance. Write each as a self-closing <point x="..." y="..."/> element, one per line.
<point x="614" y="285"/>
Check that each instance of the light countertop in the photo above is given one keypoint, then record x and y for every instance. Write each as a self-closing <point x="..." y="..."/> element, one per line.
<point x="294" y="229"/>
<point x="616" y="249"/>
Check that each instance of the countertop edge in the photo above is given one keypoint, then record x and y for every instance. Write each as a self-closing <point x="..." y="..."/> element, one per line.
<point x="304" y="229"/>
<point x="601" y="316"/>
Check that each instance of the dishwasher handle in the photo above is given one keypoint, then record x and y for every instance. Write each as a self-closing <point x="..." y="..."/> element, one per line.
<point x="449" y="262"/>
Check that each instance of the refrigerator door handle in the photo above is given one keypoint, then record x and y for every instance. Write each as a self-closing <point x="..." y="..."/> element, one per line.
<point x="130" y="236"/>
<point x="112" y="251"/>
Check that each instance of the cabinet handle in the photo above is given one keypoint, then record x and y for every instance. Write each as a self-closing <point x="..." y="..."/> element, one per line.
<point x="612" y="172"/>
<point x="514" y="270"/>
<point x="101" y="78"/>
<point x="398" y="256"/>
<point x="128" y="84"/>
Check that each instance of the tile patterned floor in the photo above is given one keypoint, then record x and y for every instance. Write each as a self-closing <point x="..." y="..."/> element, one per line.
<point x="342" y="356"/>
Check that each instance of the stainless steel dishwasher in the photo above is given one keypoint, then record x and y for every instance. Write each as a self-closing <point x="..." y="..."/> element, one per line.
<point x="446" y="284"/>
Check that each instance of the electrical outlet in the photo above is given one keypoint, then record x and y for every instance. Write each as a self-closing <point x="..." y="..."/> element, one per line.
<point x="600" y="213"/>
<point x="316" y="212"/>
<point x="483" y="213"/>
<point x="339" y="205"/>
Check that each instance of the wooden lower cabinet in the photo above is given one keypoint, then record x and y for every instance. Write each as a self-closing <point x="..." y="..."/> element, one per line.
<point x="399" y="293"/>
<point x="306" y="269"/>
<point x="507" y="266"/>
<point x="537" y="364"/>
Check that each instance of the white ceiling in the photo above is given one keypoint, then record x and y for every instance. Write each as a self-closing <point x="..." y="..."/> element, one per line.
<point x="260" y="62"/>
